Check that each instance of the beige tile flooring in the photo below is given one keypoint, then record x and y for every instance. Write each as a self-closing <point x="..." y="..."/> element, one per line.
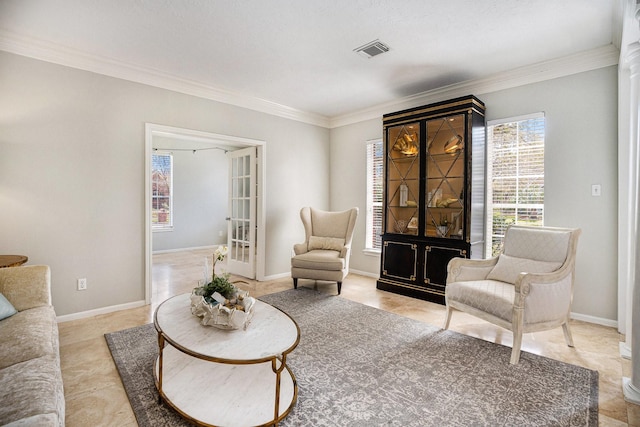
<point x="95" y="396"/>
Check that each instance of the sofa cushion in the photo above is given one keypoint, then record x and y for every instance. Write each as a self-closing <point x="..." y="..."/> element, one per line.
<point x="328" y="243"/>
<point x="6" y="309"/>
<point x="508" y="268"/>
<point x="27" y="286"/>
<point x="32" y="390"/>
<point x="319" y="259"/>
<point x="490" y="296"/>
<point x="27" y="335"/>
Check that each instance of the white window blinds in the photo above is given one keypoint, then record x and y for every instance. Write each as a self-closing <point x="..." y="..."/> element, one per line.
<point x="375" y="170"/>
<point x="515" y="175"/>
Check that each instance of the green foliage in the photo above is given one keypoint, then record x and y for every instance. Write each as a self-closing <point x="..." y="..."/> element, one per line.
<point x="219" y="284"/>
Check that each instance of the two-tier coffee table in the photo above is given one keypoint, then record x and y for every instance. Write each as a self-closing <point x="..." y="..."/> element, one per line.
<point x="226" y="377"/>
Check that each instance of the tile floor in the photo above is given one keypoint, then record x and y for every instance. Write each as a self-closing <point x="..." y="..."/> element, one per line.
<point x="95" y="396"/>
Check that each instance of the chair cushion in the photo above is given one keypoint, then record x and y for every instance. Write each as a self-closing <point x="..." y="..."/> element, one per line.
<point x="330" y="243"/>
<point x="508" y="268"/>
<point x="319" y="259"/>
<point x="490" y="296"/>
<point x="537" y="243"/>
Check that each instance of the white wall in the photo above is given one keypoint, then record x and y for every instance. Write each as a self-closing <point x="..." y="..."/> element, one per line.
<point x="200" y="193"/>
<point x="349" y="184"/>
<point x="72" y="174"/>
<point x="580" y="150"/>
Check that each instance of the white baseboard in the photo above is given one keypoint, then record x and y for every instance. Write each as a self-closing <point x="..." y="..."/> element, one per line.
<point x="135" y="304"/>
<point x="364" y="273"/>
<point x="288" y="274"/>
<point x="277" y="276"/>
<point x="98" y="311"/>
<point x="625" y="350"/>
<point x="631" y="393"/>
<point x="167" y="251"/>
<point x="593" y="319"/>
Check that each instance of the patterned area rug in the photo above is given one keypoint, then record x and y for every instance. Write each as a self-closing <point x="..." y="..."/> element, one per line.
<point x="360" y="366"/>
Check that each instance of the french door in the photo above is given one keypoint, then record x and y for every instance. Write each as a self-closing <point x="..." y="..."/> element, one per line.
<point x="241" y="220"/>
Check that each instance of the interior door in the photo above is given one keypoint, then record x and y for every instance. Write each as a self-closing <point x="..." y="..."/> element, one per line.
<point x="241" y="220"/>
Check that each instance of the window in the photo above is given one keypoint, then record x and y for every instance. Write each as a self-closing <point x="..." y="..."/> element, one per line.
<point x="374" y="196"/>
<point x="162" y="191"/>
<point x="515" y="176"/>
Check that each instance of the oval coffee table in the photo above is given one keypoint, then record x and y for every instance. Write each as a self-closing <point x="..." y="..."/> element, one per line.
<point x="222" y="377"/>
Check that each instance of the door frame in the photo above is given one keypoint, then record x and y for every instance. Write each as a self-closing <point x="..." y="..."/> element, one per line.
<point x="187" y="135"/>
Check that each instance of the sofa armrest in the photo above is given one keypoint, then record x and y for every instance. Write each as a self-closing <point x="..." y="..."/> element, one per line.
<point x="463" y="269"/>
<point x="300" y="248"/>
<point x="346" y="249"/>
<point x="26" y="287"/>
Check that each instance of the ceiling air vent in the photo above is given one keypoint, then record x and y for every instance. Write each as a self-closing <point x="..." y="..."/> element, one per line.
<point x="372" y="49"/>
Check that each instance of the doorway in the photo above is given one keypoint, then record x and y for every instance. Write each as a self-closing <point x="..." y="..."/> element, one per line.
<point x="187" y="138"/>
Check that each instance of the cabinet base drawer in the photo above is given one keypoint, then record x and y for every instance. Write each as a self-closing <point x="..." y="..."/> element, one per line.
<point x="410" y="290"/>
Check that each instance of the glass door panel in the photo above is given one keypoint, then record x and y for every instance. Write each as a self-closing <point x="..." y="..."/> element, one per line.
<point x="403" y="178"/>
<point x="242" y="218"/>
<point x="445" y="178"/>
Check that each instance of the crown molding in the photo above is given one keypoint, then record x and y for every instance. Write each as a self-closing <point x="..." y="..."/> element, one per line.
<point x="584" y="61"/>
<point x="61" y="55"/>
<point x="54" y="53"/>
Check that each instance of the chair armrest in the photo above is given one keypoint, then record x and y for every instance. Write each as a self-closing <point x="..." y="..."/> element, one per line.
<point x="300" y="248"/>
<point x="551" y="291"/>
<point x="344" y="252"/>
<point x="463" y="269"/>
<point x="26" y="287"/>
<point x="526" y="281"/>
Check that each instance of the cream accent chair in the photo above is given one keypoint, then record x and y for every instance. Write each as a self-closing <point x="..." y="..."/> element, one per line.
<point x="324" y="255"/>
<point x="527" y="288"/>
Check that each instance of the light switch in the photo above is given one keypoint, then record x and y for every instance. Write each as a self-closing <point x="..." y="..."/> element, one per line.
<point x="596" y="190"/>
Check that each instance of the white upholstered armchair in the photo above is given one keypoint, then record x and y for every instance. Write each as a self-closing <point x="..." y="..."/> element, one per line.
<point x="527" y="288"/>
<point x="324" y="255"/>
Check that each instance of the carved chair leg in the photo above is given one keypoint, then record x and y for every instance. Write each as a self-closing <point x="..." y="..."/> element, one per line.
<point x="517" y="345"/>
<point x="339" y="287"/>
<point x="567" y="334"/>
<point x="447" y="318"/>
<point x="295" y="283"/>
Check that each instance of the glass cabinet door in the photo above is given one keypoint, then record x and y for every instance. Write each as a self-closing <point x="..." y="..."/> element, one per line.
<point x="445" y="178"/>
<point x="403" y="178"/>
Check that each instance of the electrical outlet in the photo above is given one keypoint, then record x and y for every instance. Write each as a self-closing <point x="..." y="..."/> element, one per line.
<point x="596" y="190"/>
<point x="82" y="284"/>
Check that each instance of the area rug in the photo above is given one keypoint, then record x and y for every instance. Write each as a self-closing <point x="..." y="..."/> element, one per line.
<point x="360" y="366"/>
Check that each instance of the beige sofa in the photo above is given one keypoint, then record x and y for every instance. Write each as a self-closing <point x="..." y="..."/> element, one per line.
<point x="31" y="392"/>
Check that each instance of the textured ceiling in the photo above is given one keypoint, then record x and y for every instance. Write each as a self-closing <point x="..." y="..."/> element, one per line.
<point x="299" y="53"/>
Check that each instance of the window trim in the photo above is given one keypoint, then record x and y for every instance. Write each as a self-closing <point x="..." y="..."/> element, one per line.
<point x="369" y="248"/>
<point x="489" y="174"/>
<point x="158" y="228"/>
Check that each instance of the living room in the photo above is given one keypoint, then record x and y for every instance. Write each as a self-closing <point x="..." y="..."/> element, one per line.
<point x="72" y="173"/>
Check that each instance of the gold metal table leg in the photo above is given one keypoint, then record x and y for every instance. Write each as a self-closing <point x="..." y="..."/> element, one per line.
<point x="277" y="370"/>
<point x="160" y="354"/>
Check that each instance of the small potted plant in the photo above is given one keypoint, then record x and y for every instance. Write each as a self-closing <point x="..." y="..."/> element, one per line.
<point x="219" y="302"/>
